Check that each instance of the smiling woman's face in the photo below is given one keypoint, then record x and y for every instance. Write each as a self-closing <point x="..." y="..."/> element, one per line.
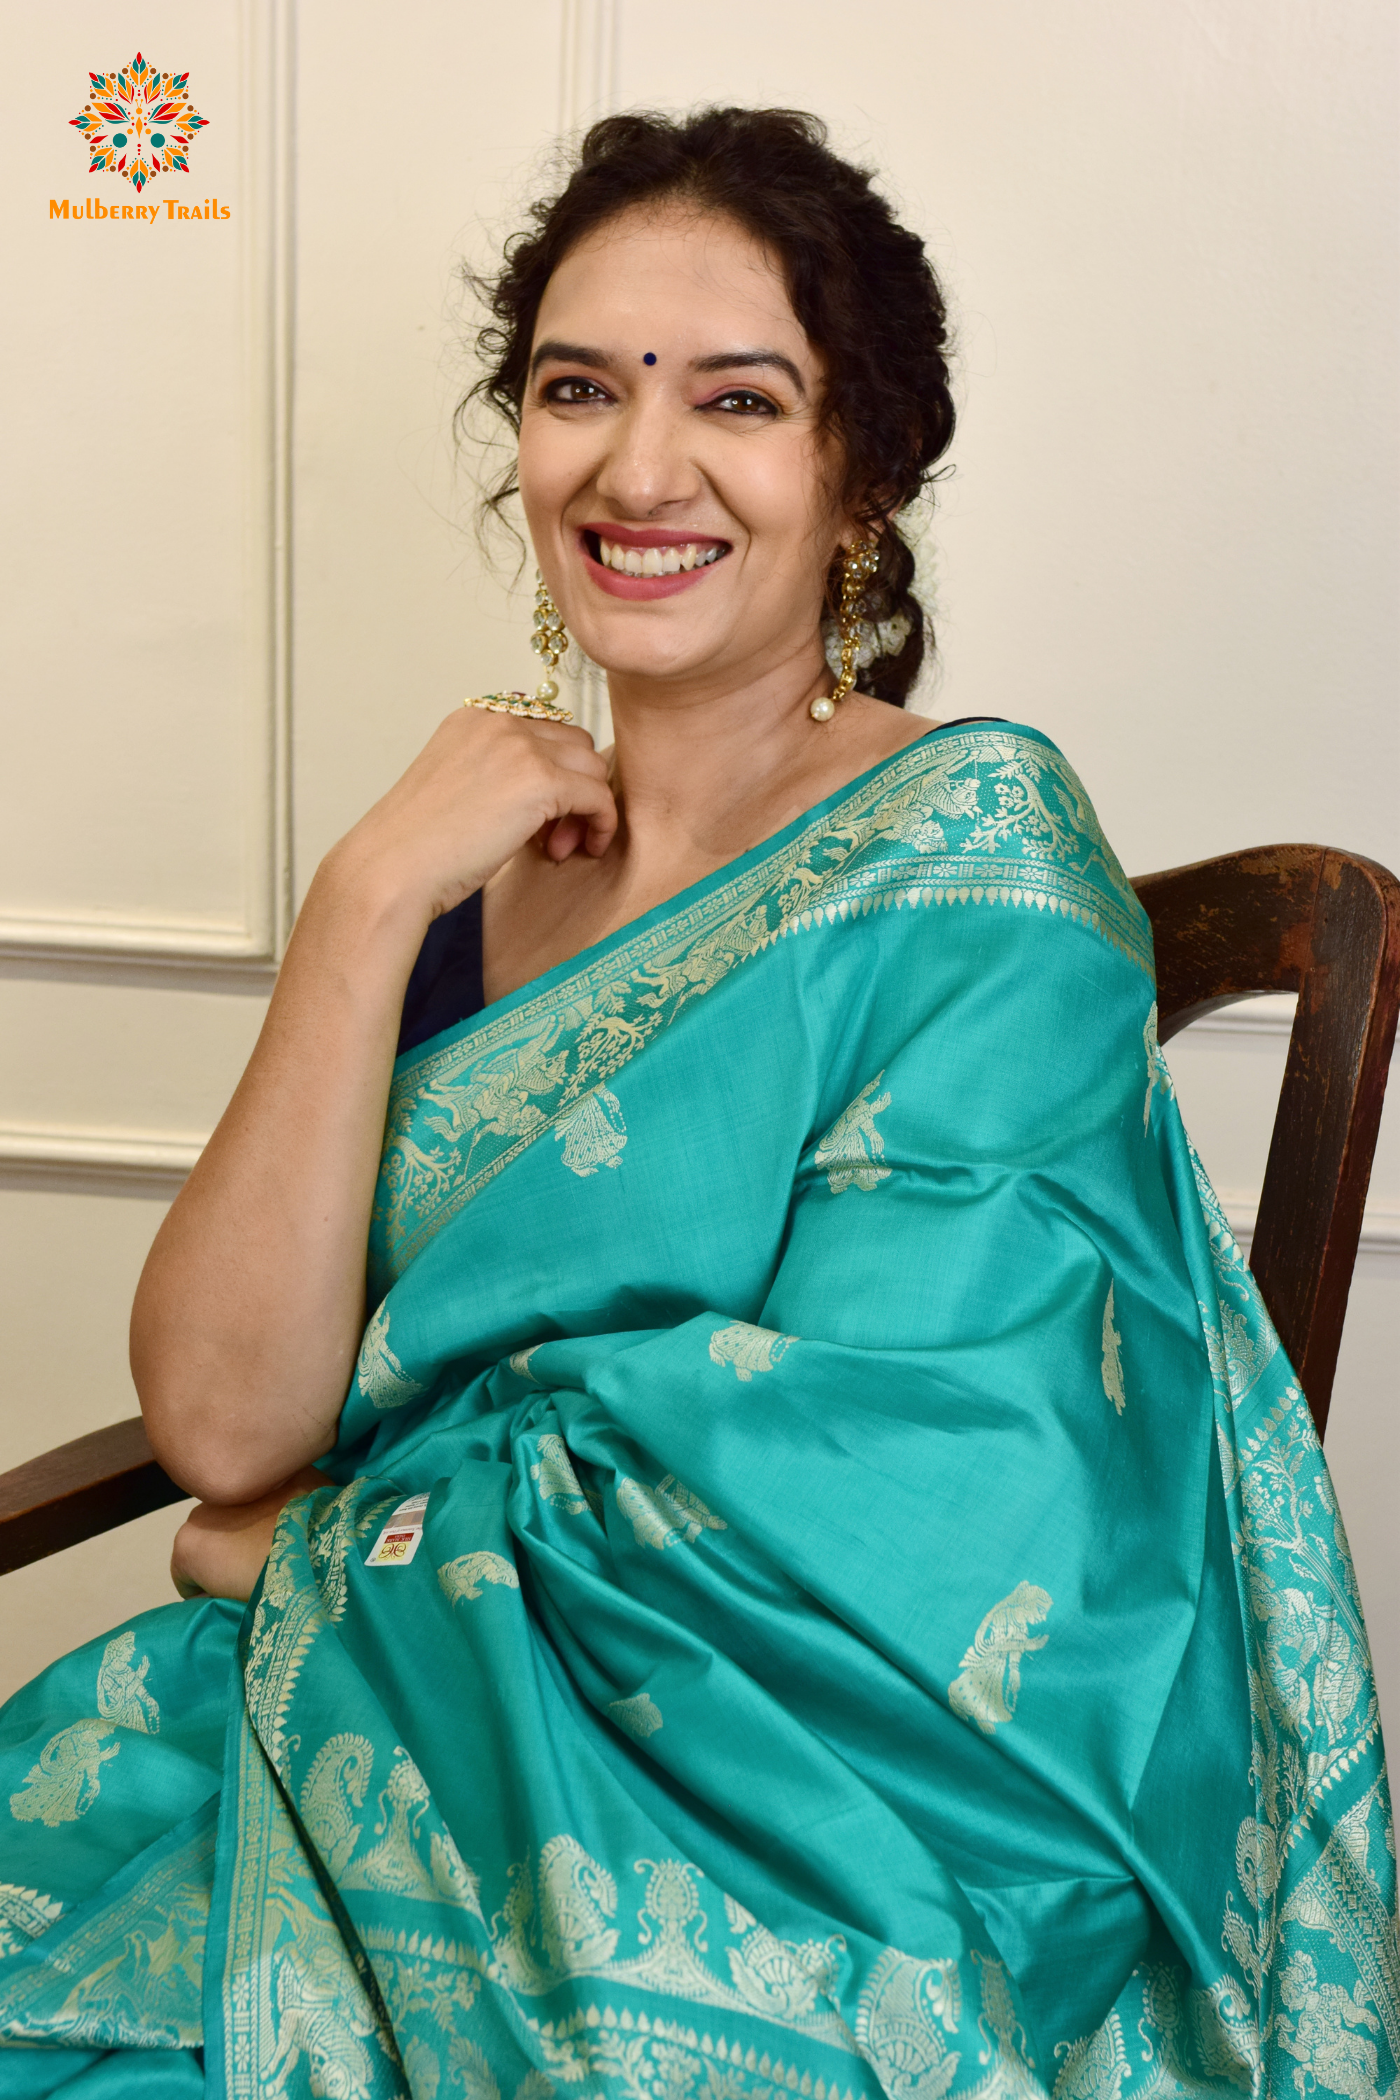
<point x="676" y="482"/>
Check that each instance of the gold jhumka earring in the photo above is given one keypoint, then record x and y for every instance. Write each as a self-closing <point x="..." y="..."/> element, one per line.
<point x="862" y="561"/>
<point x="549" y="641"/>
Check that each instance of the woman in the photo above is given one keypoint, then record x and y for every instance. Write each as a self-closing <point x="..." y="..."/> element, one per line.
<point x="823" y="1580"/>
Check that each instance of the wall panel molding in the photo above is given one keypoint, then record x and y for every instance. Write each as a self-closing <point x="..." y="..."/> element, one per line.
<point x="271" y="47"/>
<point x="589" y="58"/>
<point x="190" y="947"/>
<point x="254" y="937"/>
<point x="1380" y="1228"/>
<point x="1271" y="1015"/>
<point x="588" y="61"/>
<point x="156" y="1162"/>
<point x="97" y="1162"/>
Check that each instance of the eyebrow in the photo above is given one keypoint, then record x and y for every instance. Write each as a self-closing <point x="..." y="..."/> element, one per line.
<point x="749" y="360"/>
<point x="555" y="352"/>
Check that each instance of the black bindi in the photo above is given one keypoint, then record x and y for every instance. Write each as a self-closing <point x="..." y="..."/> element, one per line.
<point x="649" y="358"/>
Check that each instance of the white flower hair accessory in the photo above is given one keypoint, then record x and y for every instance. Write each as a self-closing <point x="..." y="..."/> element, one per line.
<point x="877" y="638"/>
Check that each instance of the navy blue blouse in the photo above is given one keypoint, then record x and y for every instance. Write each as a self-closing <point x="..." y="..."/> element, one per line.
<point x="446" y="985"/>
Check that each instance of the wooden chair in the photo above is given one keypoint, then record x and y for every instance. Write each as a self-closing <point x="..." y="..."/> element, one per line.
<point x="1326" y="925"/>
<point x="1308" y="919"/>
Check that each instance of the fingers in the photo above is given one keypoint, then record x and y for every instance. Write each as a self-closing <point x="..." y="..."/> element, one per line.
<point x="591" y="801"/>
<point x="565" y="733"/>
<point x="564" y="837"/>
<point x="564" y="736"/>
<point x="485" y="784"/>
<point x="209" y="1560"/>
<point x="600" y="837"/>
<point x="220" y="1548"/>
<point x="577" y="757"/>
<point x="558" y="744"/>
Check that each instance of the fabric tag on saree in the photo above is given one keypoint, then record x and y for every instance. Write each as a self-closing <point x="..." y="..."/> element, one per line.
<point x="398" y="1541"/>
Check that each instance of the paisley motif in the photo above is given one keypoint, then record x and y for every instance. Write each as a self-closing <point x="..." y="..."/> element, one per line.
<point x="1094" y="2068"/>
<point x="333" y="1790"/>
<point x="782" y="1976"/>
<point x="906" y="2014"/>
<point x="396" y="1865"/>
<point x="331" y="1536"/>
<point x="559" y="1921"/>
<point x="288" y="1617"/>
<point x="1184" y="2041"/>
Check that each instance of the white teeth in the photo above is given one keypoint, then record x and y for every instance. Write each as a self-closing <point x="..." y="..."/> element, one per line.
<point x="656" y="561"/>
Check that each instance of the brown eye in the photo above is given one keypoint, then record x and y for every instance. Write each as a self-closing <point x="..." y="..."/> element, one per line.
<point x="743" y="401"/>
<point x="574" y="392"/>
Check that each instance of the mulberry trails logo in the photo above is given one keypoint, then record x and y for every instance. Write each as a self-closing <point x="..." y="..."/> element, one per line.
<point x="137" y="123"/>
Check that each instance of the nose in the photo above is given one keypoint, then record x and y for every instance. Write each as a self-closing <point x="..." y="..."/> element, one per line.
<point x="648" y="466"/>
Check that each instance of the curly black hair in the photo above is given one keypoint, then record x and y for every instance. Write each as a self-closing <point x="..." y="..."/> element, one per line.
<point x="860" y="283"/>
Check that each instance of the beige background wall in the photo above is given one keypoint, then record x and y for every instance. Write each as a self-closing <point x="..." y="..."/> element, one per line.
<point x="241" y="585"/>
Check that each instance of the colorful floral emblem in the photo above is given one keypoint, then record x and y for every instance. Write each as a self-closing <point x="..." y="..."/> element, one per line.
<point x="138" y="122"/>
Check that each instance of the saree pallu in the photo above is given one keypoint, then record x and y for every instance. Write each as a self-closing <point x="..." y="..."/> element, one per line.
<point x="833" y="1588"/>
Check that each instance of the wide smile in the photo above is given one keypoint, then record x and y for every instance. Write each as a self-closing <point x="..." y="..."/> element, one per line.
<point x="630" y="563"/>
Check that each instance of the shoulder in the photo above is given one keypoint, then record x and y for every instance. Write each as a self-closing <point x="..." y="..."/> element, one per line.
<point x="993" y="812"/>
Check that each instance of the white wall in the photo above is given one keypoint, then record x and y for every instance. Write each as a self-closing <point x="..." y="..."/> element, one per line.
<point x="243" y="585"/>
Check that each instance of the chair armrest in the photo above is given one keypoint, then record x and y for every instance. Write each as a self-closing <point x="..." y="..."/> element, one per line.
<point x="79" y="1490"/>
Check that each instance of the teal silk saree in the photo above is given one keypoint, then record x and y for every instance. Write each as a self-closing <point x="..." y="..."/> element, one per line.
<point x="833" y="1589"/>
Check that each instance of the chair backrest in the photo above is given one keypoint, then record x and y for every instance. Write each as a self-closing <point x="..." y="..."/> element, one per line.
<point x="1326" y="925"/>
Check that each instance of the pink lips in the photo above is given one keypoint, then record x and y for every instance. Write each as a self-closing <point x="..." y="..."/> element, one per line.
<point x="618" y="586"/>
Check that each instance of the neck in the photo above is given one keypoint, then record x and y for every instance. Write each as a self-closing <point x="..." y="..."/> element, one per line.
<point x="690" y="764"/>
<point x="700" y="776"/>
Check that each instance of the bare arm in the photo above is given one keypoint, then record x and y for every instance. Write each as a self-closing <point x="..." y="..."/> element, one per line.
<point x="250" y="1308"/>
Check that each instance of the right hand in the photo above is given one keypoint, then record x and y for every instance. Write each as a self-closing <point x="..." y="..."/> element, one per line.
<point x="482" y="787"/>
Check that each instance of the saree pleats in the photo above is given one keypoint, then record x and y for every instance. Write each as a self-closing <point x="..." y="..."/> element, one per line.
<point x="833" y="1590"/>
